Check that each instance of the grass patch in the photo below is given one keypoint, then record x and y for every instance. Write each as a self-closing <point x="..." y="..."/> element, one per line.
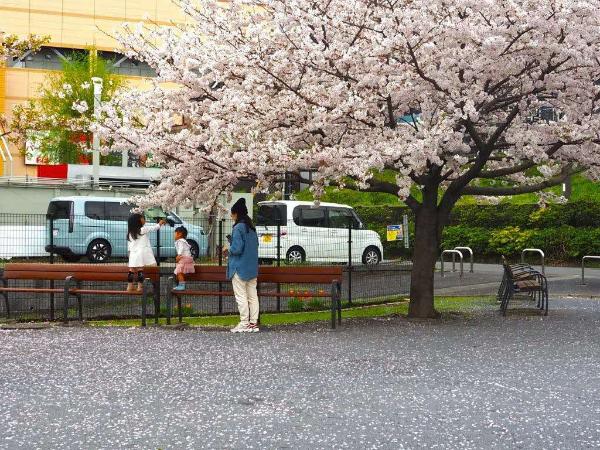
<point x="444" y="305"/>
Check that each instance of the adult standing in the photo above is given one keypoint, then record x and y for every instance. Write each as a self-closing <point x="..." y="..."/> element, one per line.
<point x="242" y="267"/>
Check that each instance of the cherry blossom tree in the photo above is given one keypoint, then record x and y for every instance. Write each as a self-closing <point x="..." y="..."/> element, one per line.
<point x="486" y="97"/>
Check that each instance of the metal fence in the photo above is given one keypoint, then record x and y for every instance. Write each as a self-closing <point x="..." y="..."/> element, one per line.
<point x="97" y="239"/>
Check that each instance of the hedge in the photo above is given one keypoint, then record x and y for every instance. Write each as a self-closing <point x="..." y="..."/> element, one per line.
<point x="576" y="214"/>
<point x="564" y="232"/>
<point x="559" y="243"/>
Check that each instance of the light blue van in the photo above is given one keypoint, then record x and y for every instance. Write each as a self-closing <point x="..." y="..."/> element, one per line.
<point x="96" y="227"/>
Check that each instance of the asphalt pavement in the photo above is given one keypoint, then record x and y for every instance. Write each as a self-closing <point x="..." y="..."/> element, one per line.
<point x="480" y="381"/>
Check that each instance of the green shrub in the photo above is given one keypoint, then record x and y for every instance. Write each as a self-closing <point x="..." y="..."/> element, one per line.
<point x="509" y="241"/>
<point x="564" y="231"/>
<point x="295" y="304"/>
<point x="475" y="237"/>
<point x="314" y="304"/>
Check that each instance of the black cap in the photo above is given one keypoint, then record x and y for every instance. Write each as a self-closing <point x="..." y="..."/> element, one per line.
<point x="240" y="208"/>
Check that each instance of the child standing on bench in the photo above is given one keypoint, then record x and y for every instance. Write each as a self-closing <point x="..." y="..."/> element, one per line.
<point x="140" y="250"/>
<point x="184" y="259"/>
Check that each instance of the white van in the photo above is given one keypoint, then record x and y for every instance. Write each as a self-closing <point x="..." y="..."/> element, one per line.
<point x="315" y="234"/>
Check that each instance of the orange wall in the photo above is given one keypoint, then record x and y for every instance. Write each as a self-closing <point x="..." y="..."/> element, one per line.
<point x="81" y="23"/>
<point x="70" y="24"/>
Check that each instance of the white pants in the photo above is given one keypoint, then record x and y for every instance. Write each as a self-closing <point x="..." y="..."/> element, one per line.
<point x="246" y="298"/>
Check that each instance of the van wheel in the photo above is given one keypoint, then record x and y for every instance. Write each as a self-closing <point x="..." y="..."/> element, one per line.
<point x="371" y="256"/>
<point x="194" y="249"/>
<point x="99" y="251"/>
<point x="296" y="255"/>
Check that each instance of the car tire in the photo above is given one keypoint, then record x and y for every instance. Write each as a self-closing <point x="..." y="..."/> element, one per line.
<point x="71" y="258"/>
<point x="194" y="249"/>
<point x="371" y="256"/>
<point x="99" y="251"/>
<point x="295" y="255"/>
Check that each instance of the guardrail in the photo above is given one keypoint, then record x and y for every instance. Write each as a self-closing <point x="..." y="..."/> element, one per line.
<point x="453" y="253"/>
<point x="583" y="266"/>
<point x="470" y="250"/>
<point x="535" y="250"/>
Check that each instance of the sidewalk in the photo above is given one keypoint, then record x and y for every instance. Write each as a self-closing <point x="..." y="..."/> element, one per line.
<point x="562" y="281"/>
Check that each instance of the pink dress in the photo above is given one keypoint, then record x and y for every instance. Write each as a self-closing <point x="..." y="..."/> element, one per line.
<point x="186" y="262"/>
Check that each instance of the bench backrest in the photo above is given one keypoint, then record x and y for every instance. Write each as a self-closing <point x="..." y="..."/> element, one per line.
<point x="269" y="274"/>
<point x="81" y="272"/>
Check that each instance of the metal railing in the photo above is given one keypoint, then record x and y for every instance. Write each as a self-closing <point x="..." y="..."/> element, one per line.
<point x="583" y="266"/>
<point x="453" y="253"/>
<point x="535" y="250"/>
<point x="470" y="250"/>
<point x="36" y="238"/>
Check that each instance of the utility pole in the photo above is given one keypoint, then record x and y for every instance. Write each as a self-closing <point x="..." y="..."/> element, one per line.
<point x="96" y="141"/>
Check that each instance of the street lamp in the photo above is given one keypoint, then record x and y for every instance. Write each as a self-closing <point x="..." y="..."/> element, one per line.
<point x="96" y="141"/>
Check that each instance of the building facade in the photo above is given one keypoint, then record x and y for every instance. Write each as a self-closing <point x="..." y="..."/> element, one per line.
<point x="73" y="25"/>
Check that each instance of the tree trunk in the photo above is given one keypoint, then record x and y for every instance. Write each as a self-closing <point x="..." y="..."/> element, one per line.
<point x="425" y="254"/>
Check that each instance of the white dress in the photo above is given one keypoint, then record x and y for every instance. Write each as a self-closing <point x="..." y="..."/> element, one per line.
<point x="140" y="250"/>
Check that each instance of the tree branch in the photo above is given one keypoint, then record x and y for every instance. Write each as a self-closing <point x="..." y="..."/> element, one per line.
<point x="523" y="189"/>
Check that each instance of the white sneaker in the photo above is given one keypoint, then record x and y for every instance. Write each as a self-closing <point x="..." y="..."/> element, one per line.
<point x="240" y="328"/>
<point x="253" y="328"/>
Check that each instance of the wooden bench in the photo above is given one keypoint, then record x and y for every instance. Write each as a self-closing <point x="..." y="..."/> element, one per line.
<point x="522" y="278"/>
<point x="73" y="275"/>
<point x="272" y="275"/>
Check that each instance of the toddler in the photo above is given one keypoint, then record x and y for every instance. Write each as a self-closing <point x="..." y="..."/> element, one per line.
<point x="184" y="259"/>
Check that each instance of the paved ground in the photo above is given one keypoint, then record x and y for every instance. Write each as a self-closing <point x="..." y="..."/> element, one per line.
<point x="479" y="382"/>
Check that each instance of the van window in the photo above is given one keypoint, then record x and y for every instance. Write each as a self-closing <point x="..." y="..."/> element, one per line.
<point x="117" y="211"/>
<point x="270" y="214"/>
<point x="307" y="216"/>
<point x="94" y="210"/>
<point x="59" y="210"/>
<point x="341" y="218"/>
<point x="107" y="211"/>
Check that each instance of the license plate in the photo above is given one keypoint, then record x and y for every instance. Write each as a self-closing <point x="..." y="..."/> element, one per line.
<point x="54" y="232"/>
<point x="267" y="238"/>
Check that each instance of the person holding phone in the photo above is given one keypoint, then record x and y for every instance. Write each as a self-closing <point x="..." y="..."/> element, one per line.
<point x="242" y="267"/>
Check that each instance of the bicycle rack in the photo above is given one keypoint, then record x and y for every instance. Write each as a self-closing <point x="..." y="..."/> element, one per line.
<point x="583" y="266"/>
<point x="470" y="250"/>
<point x="534" y="250"/>
<point x="453" y="253"/>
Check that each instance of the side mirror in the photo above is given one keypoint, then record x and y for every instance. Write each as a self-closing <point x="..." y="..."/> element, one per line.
<point x="170" y="221"/>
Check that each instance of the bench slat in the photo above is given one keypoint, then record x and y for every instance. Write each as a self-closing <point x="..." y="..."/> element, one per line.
<point x="82" y="272"/>
<point x="25" y="289"/>
<point x="104" y="291"/>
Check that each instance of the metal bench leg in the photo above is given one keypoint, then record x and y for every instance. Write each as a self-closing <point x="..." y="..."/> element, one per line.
<point x="169" y="299"/>
<point x="333" y="305"/>
<point x="80" y="302"/>
<point x="66" y="294"/>
<point x="5" y="295"/>
<point x="339" y="302"/>
<point x="501" y="289"/>
<point x="144" y="304"/>
<point x="179" y="305"/>
<point x="508" y="296"/>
